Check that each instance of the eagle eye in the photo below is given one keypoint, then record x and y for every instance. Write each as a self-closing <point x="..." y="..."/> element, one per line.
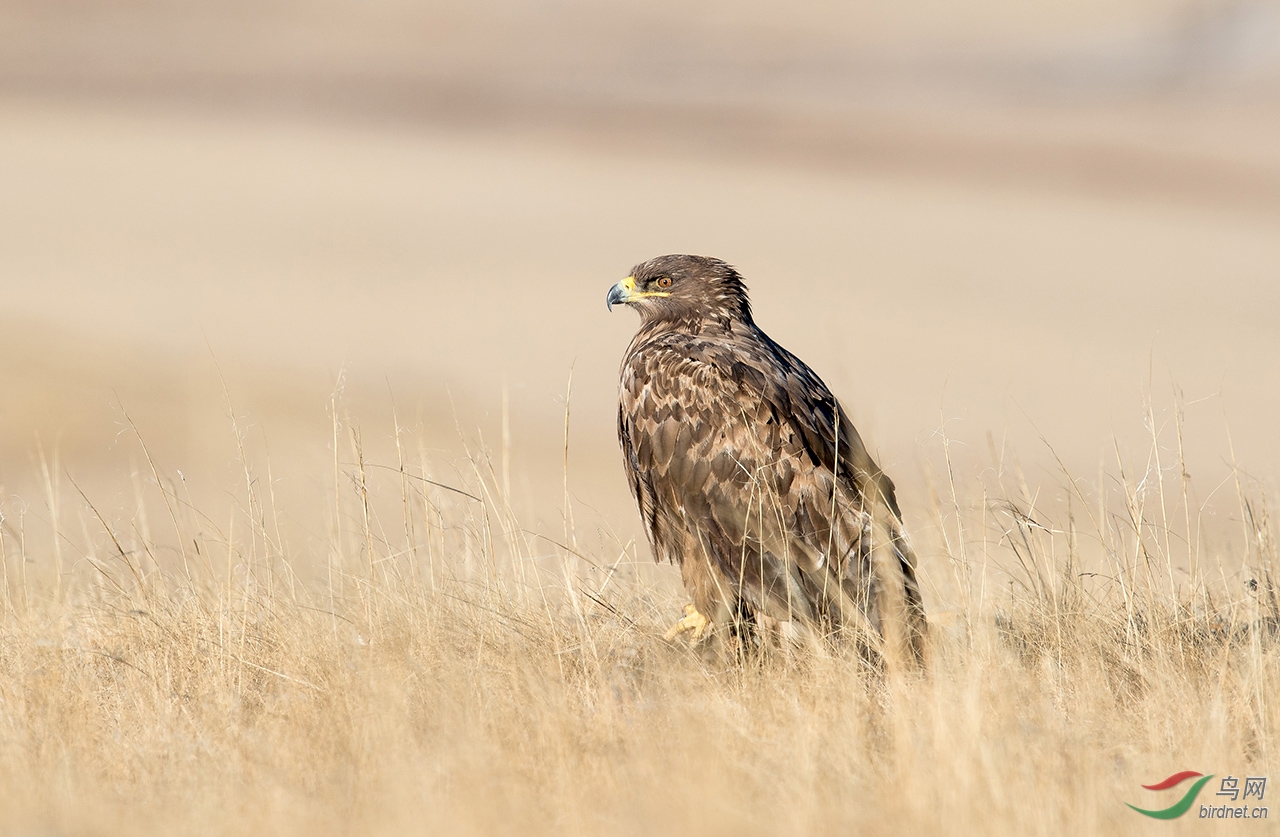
<point x="664" y="282"/>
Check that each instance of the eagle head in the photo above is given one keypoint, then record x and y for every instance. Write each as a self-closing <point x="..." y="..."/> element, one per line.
<point x="683" y="288"/>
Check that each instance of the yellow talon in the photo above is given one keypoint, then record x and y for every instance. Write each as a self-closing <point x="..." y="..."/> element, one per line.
<point x="691" y="621"/>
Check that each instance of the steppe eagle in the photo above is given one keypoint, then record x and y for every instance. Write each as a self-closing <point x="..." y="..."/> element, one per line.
<point x="750" y="477"/>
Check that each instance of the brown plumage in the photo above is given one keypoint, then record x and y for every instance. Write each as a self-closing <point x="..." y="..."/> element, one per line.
<point x="749" y="475"/>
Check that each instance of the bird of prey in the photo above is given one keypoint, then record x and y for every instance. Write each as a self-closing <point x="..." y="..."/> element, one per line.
<point x="751" y="478"/>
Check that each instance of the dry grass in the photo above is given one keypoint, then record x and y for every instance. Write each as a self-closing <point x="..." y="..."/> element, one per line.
<point x="426" y="665"/>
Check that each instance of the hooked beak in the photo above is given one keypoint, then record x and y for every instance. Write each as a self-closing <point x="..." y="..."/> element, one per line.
<point x="621" y="293"/>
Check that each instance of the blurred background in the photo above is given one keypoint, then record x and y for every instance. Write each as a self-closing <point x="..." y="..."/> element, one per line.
<point x="1012" y="223"/>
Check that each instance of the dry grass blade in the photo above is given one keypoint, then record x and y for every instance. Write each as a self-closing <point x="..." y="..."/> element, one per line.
<point x="463" y="682"/>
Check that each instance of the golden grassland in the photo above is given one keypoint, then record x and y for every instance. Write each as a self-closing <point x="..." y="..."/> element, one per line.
<point x="422" y="663"/>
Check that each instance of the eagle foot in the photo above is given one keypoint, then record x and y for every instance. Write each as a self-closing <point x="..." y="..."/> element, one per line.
<point x="692" y="622"/>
